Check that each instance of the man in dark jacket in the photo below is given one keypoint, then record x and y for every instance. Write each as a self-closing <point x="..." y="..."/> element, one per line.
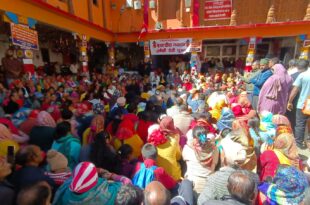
<point x="259" y="80"/>
<point x="242" y="190"/>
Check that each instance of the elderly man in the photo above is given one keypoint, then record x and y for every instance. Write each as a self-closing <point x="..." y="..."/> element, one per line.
<point x="248" y="76"/>
<point x="259" y="80"/>
<point x="156" y="194"/>
<point x="242" y="190"/>
<point x="216" y="186"/>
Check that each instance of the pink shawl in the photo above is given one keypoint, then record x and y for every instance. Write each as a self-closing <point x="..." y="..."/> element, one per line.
<point x="45" y="119"/>
<point x="274" y="94"/>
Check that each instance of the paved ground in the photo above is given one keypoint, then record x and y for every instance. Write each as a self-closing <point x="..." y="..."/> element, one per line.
<point x="304" y="154"/>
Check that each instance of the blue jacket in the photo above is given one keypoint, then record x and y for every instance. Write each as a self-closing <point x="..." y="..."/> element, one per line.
<point x="70" y="147"/>
<point x="194" y="104"/>
<point x="259" y="80"/>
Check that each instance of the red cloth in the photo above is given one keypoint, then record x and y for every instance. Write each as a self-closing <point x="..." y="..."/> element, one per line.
<point x="126" y="129"/>
<point x="27" y="125"/>
<point x="188" y="86"/>
<point x="10" y="125"/>
<point x="142" y="129"/>
<point x="268" y="163"/>
<point x="131" y="116"/>
<point x="160" y="174"/>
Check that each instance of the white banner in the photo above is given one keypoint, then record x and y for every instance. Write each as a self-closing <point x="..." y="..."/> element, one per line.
<point x="177" y="46"/>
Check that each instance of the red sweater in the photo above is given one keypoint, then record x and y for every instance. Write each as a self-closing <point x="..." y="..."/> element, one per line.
<point x="160" y="174"/>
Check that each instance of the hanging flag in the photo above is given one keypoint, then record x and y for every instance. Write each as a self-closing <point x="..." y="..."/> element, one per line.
<point x="143" y="32"/>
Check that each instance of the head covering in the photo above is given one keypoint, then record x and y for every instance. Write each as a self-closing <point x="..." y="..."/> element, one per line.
<point x="275" y="92"/>
<point x="98" y="108"/>
<point x="266" y="121"/>
<point x="34" y="114"/>
<point x="167" y="127"/>
<point x="121" y="101"/>
<point x="97" y="124"/>
<point x="155" y="136"/>
<point x="20" y="116"/>
<point x="205" y="150"/>
<point x="287" y="187"/>
<point x="45" y="119"/>
<point x="226" y="120"/>
<point x="141" y="107"/>
<point x="5" y="133"/>
<point x="56" y="160"/>
<point x="84" y="178"/>
<point x="280" y="120"/>
<point x="8" y="123"/>
<point x="234" y="152"/>
<point x="126" y="129"/>
<point x="54" y="111"/>
<point x="281" y="129"/>
<point x="286" y="144"/>
<point x="264" y="61"/>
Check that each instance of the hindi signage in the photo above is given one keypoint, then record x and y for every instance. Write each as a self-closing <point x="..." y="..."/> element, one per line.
<point x="24" y="36"/>
<point x="175" y="46"/>
<point x="217" y="9"/>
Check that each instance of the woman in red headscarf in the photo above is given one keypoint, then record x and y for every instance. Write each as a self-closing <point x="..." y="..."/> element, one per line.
<point x="166" y="138"/>
<point x="127" y="134"/>
<point x="28" y="124"/>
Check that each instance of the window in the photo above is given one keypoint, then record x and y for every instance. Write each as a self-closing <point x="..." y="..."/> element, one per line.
<point x="95" y="2"/>
<point x="213" y="51"/>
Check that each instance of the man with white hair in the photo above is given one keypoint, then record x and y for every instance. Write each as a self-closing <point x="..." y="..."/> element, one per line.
<point x="216" y="185"/>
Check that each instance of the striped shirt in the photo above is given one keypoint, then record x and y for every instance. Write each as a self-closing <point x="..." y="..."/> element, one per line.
<point x="216" y="185"/>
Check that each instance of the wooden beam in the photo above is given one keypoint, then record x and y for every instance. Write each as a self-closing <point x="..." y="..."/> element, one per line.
<point x="225" y="32"/>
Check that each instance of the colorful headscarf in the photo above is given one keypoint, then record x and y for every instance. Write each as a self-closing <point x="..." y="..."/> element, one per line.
<point x="20" y="116"/>
<point x="286" y="144"/>
<point x="45" y="119"/>
<point x="205" y="150"/>
<point x="167" y="127"/>
<point x="96" y="126"/>
<point x="266" y="123"/>
<point x="226" y="120"/>
<point x="288" y="187"/>
<point x="280" y="120"/>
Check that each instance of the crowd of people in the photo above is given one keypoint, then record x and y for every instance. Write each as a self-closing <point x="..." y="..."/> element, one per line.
<point x="188" y="137"/>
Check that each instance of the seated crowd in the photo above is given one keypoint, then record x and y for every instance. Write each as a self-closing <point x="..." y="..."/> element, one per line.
<point x="208" y="138"/>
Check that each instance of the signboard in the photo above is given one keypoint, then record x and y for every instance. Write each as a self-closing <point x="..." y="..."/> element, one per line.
<point x="307" y="43"/>
<point x="24" y="37"/>
<point x="175" y="46"/>
<point x="217" y="9"/>
<point x="196" y="46"/>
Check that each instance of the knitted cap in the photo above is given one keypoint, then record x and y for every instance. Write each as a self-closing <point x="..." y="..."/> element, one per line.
<point x="56" y="160"/>
<point x="84" y="178"/>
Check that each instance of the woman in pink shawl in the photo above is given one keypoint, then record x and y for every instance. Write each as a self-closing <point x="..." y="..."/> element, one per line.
<point x="274" y="94"/>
